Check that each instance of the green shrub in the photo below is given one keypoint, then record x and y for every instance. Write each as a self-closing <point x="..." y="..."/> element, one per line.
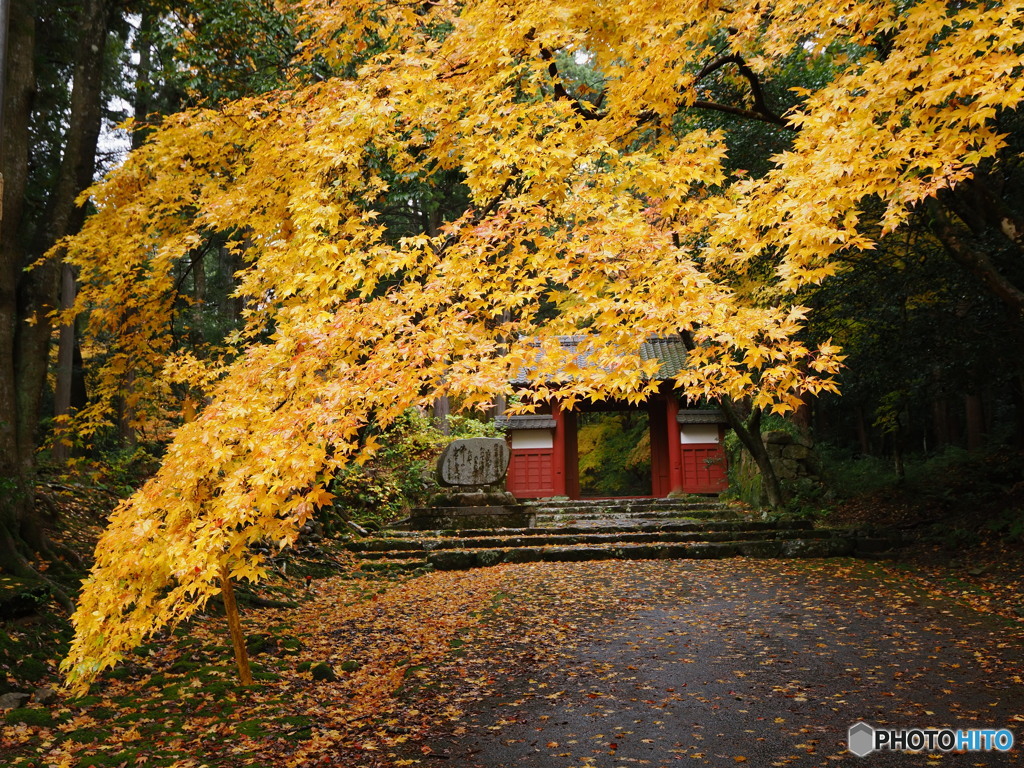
<point x="1009" y="525"/>
<point x="399" y="475"/>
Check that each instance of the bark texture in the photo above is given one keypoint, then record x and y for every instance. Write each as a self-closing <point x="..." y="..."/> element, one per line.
<point x="28" y="297"/>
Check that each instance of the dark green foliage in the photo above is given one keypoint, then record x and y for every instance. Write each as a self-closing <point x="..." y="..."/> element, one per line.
<point x="228" y="49"/>
<point x="615" y="453"/>
<point x="918" y="332"/>
<point x="1009" y="525"/>
<point x="365" y="495"/>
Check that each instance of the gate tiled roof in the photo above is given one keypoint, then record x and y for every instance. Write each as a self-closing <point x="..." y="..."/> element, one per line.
<point x="670" y="351"/>
<point x="526" y="421"/>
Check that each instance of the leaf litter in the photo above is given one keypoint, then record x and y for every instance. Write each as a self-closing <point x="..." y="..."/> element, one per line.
<point x="552" y="664"/>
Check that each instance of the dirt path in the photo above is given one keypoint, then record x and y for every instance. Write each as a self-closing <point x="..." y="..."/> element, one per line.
<point x="719" y="663"/>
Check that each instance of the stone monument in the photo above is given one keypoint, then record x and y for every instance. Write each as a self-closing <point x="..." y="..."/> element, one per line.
<point x="472" y="472"/>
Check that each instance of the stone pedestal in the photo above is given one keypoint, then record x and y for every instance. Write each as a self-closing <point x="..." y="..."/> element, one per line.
<point x="473" y="473"/>
<point x="490" y="516"/>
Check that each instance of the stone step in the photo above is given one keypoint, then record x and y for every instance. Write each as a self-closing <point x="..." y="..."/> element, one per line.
<point x="548" y="518"/>
<point x="405" y="546"/>
<point x="580" y="542"/>
<point x="457" y="554"/>
<point x="395" y="565"/>
<point x="631" y="524"/>
<point x="394" y="540"/>
<point x="601" y="505"/>
<point x="627" y="529"/>
<point x="461" y="559"/>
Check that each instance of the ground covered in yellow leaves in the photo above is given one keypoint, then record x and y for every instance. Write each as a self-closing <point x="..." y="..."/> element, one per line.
<point x="554" y="664"/>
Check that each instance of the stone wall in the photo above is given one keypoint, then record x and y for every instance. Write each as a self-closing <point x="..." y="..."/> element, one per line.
<point x="793" y="458"/>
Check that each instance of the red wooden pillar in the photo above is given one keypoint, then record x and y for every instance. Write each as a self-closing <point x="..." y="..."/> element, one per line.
<point x="675" y="455"/>
<point x="660" y="463"/>
<point x="558" y="456"/>
<point x="572" y="455"/>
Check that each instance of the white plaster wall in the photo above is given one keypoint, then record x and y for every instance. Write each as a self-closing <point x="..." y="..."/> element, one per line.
<point x="526" y="439"/>
<point x="698" y="433"/>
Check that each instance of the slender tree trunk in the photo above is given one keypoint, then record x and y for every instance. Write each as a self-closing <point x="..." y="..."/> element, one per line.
<point x="198" y="295"/>
<point x="974" y="422"/>
<point x="899" y="466"/>
<point x="442" y="410"/>
<point x="235" y="625"/>
<point x="940" y="421"/>
<point x="65" y="361"/>
<point x="749" y="432"/>
<point x="4" y="16"/>
<point x="143" y="79"/>
<point x="16" y="488"/>
<point x="1018" y="408"/>
<point x="863" y="440"/>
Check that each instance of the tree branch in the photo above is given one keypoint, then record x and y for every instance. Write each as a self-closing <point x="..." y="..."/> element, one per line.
<point x="747" y="113"/>
<point x="975" y="260"/>
<point x="761" y="109"/>
<point x="487" y="211"/>
<point x="562" y="93"/>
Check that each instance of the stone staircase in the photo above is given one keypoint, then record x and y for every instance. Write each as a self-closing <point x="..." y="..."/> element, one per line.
<point x="627" y="529"/>
<point x="557" y="513"/>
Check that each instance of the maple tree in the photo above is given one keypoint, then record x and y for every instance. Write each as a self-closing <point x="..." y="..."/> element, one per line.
<point x="600" y="205"/>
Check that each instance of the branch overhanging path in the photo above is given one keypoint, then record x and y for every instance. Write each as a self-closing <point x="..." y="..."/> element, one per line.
<point x="622" y="220"/>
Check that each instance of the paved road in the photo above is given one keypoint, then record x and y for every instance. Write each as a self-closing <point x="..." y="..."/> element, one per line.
<point x="730" y="662"/>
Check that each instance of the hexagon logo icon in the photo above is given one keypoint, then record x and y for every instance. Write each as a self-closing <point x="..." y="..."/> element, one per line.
<point x="860" y="739"/>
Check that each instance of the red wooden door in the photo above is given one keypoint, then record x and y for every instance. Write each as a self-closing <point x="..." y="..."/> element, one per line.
<point x="531" y="473"/>
<point x="703" y="468"/>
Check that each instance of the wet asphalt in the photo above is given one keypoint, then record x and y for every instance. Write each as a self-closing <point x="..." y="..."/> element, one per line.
<point x="726" y="663"/>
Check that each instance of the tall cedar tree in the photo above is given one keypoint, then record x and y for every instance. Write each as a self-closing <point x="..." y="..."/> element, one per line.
<point x="28" y="297"/>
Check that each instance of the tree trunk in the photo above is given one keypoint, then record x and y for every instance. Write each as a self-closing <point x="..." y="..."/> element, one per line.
<point x="198" y="295"/>
<point x="977" y="260"/>
<point x="4" y="15"/>
<point x="863" y="439"/>
<point x="1018" y="409"/>
<point x="16" y="487"/>
<point x="940" y="421"/>
<point x="143" y="79"/>
<point x="442" y="410"/>
<point x="28" y="297"/>
<point x="899" y="466"/>
<point x="974" y="422"/>
<point x="65" y="363"/>
<point x="235" y="625"/>
<point x="749" y="433"/>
